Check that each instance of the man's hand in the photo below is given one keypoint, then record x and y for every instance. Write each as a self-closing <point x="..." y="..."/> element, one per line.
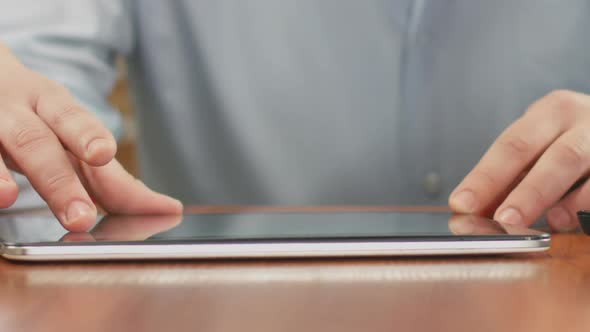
<point x="532" y="166"/>
<point x="65" y="152"/>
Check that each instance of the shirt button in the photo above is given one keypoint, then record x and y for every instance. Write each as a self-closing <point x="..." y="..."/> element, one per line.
<point x="432" y="183"/>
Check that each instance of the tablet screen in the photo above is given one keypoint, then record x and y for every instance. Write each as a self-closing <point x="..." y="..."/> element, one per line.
<point x="261" y="226"/>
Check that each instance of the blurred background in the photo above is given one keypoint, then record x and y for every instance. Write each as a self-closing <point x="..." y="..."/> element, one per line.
<point x="126" y="153"/>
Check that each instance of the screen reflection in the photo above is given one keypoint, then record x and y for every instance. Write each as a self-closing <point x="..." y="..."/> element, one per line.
<point x="290" y="225"/>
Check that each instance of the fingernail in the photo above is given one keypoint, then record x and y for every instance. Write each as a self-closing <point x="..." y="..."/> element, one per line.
<point x="97" y="145"/>
<point x="510" y="216"/>
<point x="76" y="211"/>
<point x="179" y="204"/>
<point x="464" y="201"/>
<point x="560" y="219"/>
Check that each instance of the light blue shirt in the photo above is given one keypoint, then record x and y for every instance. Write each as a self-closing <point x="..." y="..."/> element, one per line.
<point x="309" y="101"/>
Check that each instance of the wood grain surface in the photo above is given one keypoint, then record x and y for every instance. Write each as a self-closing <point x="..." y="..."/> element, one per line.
<point x="534" y="292"/>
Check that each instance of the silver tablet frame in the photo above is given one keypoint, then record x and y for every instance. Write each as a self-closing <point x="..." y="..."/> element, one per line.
<point x="275" y="248"/>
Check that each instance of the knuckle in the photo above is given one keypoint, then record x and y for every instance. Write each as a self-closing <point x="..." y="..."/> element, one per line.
<point x="535" y="194"/>
<point x="59" y="180"/>
<point x="28" y="138"/>
<point x="515" y="146"/>
<point x="575" y="152"/>
<point x="486" y="179"/>
<point x="65" y="115"/>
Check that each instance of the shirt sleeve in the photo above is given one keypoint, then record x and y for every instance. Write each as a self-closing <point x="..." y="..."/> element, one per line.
<point x="73" y="42"/>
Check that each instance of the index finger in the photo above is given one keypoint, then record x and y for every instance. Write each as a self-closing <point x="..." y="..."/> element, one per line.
<point x="41" y="157"/>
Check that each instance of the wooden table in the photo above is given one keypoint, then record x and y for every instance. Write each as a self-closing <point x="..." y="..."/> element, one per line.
<point x="535" y="292"/>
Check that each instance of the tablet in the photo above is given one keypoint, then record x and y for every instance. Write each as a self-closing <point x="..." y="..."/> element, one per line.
<point x="265" y="235"/>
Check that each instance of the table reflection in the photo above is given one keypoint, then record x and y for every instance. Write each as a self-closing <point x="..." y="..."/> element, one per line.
<point x="280" y="272"/>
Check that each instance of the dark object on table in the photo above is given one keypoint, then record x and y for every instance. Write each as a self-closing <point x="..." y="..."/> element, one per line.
<point x="584" y="218"/>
